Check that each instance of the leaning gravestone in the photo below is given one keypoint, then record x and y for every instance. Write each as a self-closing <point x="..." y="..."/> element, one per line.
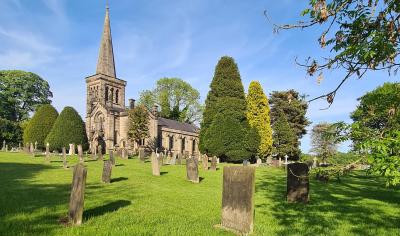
<point x="100" y="152"/>
<point x="205" y="161"/>
<point x="80" y="153"/>
<point x="192" y="171"/>
<point x="155" y="166"/>
<point x="213" y="163"/>
<point x="107" y="168"/>
<point x="141" y="154"/>
<point x="238" y="198"/>
<point x="64" y="153"/>
<point x="77" y="198"/>
<point x="112" y="158"/>
<point x="298" y="184"/>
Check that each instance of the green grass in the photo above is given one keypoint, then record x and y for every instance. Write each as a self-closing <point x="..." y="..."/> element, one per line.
<point x="33" y="197"/>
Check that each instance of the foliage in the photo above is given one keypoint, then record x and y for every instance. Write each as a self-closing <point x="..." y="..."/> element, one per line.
<point x="294" y="107"/>
<point x="138" y="123"/>
<point x="225" y="131"/>
<point x="323" y="140"/>
<point x="285" y="141"/>
<point x="258" y="117"/>
<point x="177" y="98"/>
<point x="10" y="131"/>
<point x="68" y="128"/>
<point x="40" y="125"/>
<point x="363" y="35"/>
<point x="20" y="93"/>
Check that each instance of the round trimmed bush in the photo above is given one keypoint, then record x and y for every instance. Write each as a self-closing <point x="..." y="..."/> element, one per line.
<point x="40" y="125"/>
<point x="68" y="128"/>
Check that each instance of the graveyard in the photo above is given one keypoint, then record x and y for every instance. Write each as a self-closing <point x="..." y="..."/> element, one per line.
<point x="35" y="195"/>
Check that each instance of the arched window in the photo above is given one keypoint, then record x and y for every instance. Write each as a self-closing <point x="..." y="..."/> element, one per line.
<point x="116" y="96"/>
<point x="112" y="94"/>
<point x="171" y="142"/>
<point x="183" y="144"/>
<point x="106" y="94"/>
<point x="194" y="145"/>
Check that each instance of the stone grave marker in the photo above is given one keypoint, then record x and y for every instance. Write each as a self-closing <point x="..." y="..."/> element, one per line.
<point x="213" y="166"/>
<point x="141" y="154"/>
<point x="107" y="168"/>
<point x="204" y="161"/>
<point x="124" y="153"/>
<point x="238" y="198"/>
<point x="280" y="162"/>
<point x="64" y="153"/>
<point x="217" y="160"/>
<point x="47" y="152"/>
<point x="192" y="171"/>
<point x="112" y="158"/>
<point x="100" y="152"/>
<point x="259" y="161"/>
<point x="173" y="160"/>
<point x="298" y="184"/>
<point x="179" y="158"/>
<point x="4" y="146"/>
<point x="245" y="162"/>
<point x="19" y="146"/>
<point x="31" y="149"/>
<point x="35" y="146"/>
<point x="80" y="153"/>
<point x="77" y="197"/>
<point x="155" y="167"/>
<point x="160" y="159"/>
<point x="315" y="164"/>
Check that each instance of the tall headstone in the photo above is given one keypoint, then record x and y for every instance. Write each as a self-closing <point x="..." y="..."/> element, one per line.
<point x="314" y="164"/>
<point x="107" y="168"/>
<point x="161" y="158"/>
<point x="259" y="161"/>
<point x="64" y="153"/>
<point x="19" y="146"/>
<point x="280" y="162"/>
<point x="4" y="146"/>
<point x="112" y="158"/>
<point x="238" y="198"/>
<point x="204" y="161"/>
<point x="100" y="152"/>
<point x="77" y="197"/>
<point x="47" y="152"/>
<point x="141" y="154"/>
<point x="213" y="166"/>
<point x="80" y="153"/>
<point x="36" y="146"/>
<point x="192" y="170"/>
<point x="298" y="184"/>
<point x="31" y="149"/>
<point x="155" y="165"/>
<point x="124" y="153"/>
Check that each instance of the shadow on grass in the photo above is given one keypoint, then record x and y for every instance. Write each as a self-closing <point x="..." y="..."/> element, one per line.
<point x="120" y="165"/>
<point x="201" y="179"/>
<point x="163" y="172"/>
<point x="118" y="179"/>
<point x="330" y="205"/>
<point x="101" y="210"/>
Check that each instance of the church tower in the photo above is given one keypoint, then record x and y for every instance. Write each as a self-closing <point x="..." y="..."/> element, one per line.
<point x="105" y="94"/>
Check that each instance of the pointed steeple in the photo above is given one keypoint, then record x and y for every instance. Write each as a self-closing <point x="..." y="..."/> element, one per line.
<point x="105" y="62"/>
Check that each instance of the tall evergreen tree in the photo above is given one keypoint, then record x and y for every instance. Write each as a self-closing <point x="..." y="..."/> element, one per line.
<point x="258" y="117"/>
<point x="294" y="107"/>
<point x="68" y="128"/>
<point x="225" y="131"/>
<point x="40" y="125"/>
<point x="285" y="139"/>
<point x="138" y="123"/>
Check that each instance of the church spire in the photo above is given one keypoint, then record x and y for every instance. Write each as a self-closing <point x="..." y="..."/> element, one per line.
<point x="105" y="62"/>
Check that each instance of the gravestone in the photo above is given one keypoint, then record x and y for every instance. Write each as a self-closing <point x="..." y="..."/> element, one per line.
<point x="64" y="153"/>
<point x="217" y="160"/>
<point x="179" y="159"/>
<point x="19" y="146"/>
<point x="77" y="198"/>
<point x="107" y="168"/>
<point x="204" y="161"/>
<point x="238" y="198"/>
<point x="192" y="171"/>
<point x="141" y="154"/>
<point x="298" y="184"/>
<point x="124" y="153"/>
<point x="314" y="164"/>
<point x="35" y="146"/>
<point x="259" y="161"/>
<point x="112" y="158"/>
<point x="280" y="162"/>
<point x="80" y="153"/>
<point x="160" y="159"/>
<point x="100" y="152"/>
<point x="213" y="166"/>
<point x="31" y="149"/>
<point x="173" y="160"/>
<point x="245" y="162"/>
<point x="155" y="167"/>
<point x="4" y="146"/>
<point x="47" y="152"/>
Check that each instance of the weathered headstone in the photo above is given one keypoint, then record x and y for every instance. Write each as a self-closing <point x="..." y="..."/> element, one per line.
<point x="31" y="149"/>
<point x="160" y="159"/>
<point x="112" y="158"/>
<point x="19" y="146"/>
<point x="100" y="152"/>
<point x="259" y="161"/>
<point x="4" y="146"/>
<point x="36" y="146"/>
<point x="179" y="158"/>
<point x="213" y="166"/>
<point x="245" y="162"/>
<point x="280" y="162"/>
<point x="155" y="167"/>
<point x="77" y="198"/>
<point x="107" y="168"/>
<point x="124" y="153"/>
<point x="172" y="160"/>
<point x="238" y="198"/>
<point x="217" y="160"/>
<point x="141" y="154"/>
<point x="192" y="171"/>
<point x="298" y="184"/>
<point x="80" y="153"/>
<point x="64" y="153"/>
<point x="47" y="152"/>
<point x="204" y="161"/>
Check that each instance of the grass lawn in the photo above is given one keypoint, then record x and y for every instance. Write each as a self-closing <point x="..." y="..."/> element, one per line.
<point x="33" y="196"/>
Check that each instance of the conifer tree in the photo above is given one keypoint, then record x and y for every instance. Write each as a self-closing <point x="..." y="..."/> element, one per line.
<point x="285" y="139"/>
<point x="258" y="117"/>
<point x="138" y="123"/>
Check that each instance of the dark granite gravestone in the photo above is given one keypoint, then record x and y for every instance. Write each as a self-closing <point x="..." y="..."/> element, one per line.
<point x="238" y="198"/>
<point x="112" y="158"/>
<point x="298" y="184"/>
<point x="80" y="153"/>
<point x="204" y="161"/>
<point x="213" y="163"/>
<point x="155" y="167"/>
<point x="77" y="198"/>
<point x="192" y="171"/>
<point x="141" y="154"/>
<point x="64" y="153"/>
<point x="245" y="163"/>
<point x="107" y="168"/>
<point x="100" y="152"/>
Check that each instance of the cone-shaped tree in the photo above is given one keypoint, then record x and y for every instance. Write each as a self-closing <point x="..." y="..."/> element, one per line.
<point x="68" y="128"/>
<point x="40" y="125"/>
<point x="258" y="117"/>
<point x="285" y="139"/>
<point x="225" y="131"/>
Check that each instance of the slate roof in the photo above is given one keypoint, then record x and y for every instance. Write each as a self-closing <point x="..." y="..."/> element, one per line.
<point x="173" y="124"/>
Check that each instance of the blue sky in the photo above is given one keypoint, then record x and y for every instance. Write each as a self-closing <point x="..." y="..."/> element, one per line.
<point x="59" y="40"/>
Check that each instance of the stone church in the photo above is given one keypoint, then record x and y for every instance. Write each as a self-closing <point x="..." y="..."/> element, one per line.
<point x="107" y="115"/>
